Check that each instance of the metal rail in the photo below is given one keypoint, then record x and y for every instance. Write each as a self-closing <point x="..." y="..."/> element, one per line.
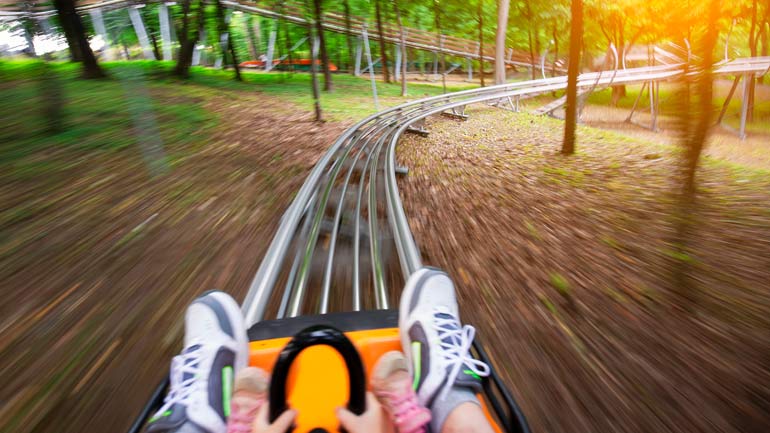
<point x="369" y="147"/>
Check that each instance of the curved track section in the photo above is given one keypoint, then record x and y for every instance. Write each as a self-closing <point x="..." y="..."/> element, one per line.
<point x="345" y="237"/>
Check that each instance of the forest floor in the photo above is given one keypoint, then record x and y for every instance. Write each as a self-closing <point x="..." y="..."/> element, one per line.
<point x="154" y="190"/>
<point x="603" y="309"/>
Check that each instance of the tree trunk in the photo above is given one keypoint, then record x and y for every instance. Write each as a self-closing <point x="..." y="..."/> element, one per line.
<point x="29" y="36"/>
<point x="502" y="24"/>
<point x="619" y="92"/>
<point x="188" y="39"/>
<point x="697" y="120"/>
<point x="555" y="36"/>
<point x="534" y="49"/>
<point x="256" y="28"/>
<point x="286" y="37"/>
<point x="155" y="48"/>
<point x="322" y="43"/>
<point x="253" y="50"/>
<point x="348" y="27"/>
<point x="67" y="14"/>
<point x="402" y="47"/>
<point x="314" y="77"/>
<point x="383" y="50"/>
<point x="765" y="38"/>
<point x="531" y="53"/>
<point x="226" y="40"/>
<point x="236" y="66"/>
<point x="69" y="33"/>
<point x="440" y="43"/>
<point x="696" y="136"/>
<point x="479" y="12"/>
<point x="151" y="33"/>
<point x="753" y="51"/>
<point x="573" y="70"/>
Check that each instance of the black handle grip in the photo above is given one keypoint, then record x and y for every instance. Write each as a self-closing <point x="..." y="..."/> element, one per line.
<point x="314" y="336"/>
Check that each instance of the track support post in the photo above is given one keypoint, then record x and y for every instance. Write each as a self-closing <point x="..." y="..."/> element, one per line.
<point x="165" y="30"/>
<point x="271" y="48"/>
<point x="98" y="20"/>
<point x="141" y="33"/>
<point x="357" y="69"/>
<point x="365" y="36"/>
<point x="418" y="128"/>
<point x="470" y="69"/>
<point x="397" y="71"/>
<point x="747" y="79"/>
<point x="197" y="52"/>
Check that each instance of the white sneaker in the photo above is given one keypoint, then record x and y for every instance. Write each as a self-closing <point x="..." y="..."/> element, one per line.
<point x="437" y="347"/>
<point x="215" y="347"/>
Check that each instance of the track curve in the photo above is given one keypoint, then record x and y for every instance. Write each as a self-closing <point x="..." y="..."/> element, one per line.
<point x="354" y="206"/>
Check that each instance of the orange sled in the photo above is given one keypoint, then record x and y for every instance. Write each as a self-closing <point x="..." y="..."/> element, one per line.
<point x="321" y="362"/>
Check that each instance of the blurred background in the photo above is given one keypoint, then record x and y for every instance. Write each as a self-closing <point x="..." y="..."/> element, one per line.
<point x="608" y="228"/>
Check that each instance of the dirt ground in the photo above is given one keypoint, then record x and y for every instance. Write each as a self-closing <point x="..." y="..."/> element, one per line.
<point x="567" y="266"/>
<point x="601" y="311"/>
<point x="104" y="259"/>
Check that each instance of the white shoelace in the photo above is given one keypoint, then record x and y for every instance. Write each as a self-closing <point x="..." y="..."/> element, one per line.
<point x="456" y="344"/>
<point x="180" y="389"/>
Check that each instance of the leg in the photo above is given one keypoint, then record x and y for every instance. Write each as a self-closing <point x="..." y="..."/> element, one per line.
<point x="446" y="377"/>
<point x="467" y="418"/>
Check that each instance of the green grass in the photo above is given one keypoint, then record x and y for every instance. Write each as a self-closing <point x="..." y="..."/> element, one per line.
<point x="105" y="114"/>
<point x="350" y="99"/>
<point x="667" y="94"/>
<point x="95" y="114"/>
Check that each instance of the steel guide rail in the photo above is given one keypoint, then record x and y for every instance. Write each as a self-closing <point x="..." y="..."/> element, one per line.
<point x="376" y="138"/>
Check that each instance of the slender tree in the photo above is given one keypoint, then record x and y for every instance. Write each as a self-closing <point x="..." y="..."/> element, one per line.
<point x="77" y="40"/>
<point x="480" y="14"/>
<point x="502" y="25"/>
<point x="383" y="50"/>
<point x="532" y="35"/>
<point x="699" y="115"/>
<point x="555" y="36"/>
<point x="757" y="31"/>
<point x="282" y="24"/>
<point x="318" y="12"/>
<point x="226" y="39"/>
<point x="314" y="76"/>
<point x="152" y="33"/>
<point x="187" y="37"/>
<point x="348" y="37"/>
<point x="696" y="114"/>
<point x="440" y="41"/>
<point x="29" y="26"/>
<point x="402" y="36"/>
<point x="249" y="30"/>
<point x="573" y="70"/>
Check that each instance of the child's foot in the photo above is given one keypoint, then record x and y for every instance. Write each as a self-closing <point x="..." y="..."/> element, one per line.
<point x="392" y="386"/>
<point x="436" y="345"/>
<point x="250" y="392"/>
<point x="215" y="346"/>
